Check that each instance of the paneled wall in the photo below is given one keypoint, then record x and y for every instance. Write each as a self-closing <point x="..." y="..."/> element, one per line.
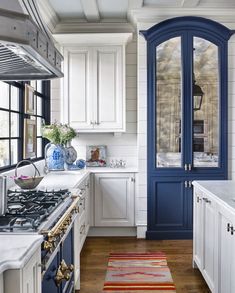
<point x="119" y="146"/>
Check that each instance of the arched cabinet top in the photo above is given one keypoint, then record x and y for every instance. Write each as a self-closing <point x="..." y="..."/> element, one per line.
<point x="187" y="23"/>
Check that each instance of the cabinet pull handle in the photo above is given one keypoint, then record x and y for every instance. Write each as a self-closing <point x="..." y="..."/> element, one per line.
<point x="185" y="167"/>
<point x="186" y="184"/>
<point x="189" y="167"/>
<point x="190" y="184"/>
<point x="92" y="122"/>
<point x="228" y="227"/>
<point x="132" y="179"/>
<point x="232" y="230"/>
<point x="198" y="199"/>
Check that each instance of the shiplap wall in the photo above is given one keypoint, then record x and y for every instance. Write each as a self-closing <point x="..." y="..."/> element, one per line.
<point x="141" y="189"/>
<point x="118" y="147"/>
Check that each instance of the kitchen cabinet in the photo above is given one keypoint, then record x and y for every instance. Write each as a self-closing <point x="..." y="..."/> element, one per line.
<point x="114" y="199"/>
<point x="27" y="279"/>
<point x="205" y="236"/>
<point x="171" y="218"/>
<point x="81" y="226"/>
<point x="187" y="117"/>
<point x="214" y="235"/>
<point x="226" y="244"/>
<point x="94" y="88"/>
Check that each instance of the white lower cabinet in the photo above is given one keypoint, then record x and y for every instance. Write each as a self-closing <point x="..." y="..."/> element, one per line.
<point x="204" y="236"/>
<point x="26" y="280"/>
<point x="114" y="200"/>
<point x="81" y="227"/>
<point x="214" y="242"/>
<point x="226" y="250"/>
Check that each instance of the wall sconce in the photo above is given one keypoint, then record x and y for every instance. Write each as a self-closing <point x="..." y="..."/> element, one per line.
<point x="197" y="96"/>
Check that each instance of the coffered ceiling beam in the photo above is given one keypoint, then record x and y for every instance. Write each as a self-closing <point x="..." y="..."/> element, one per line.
<point x="190" y="3"/>
<point x="91" y="10"/>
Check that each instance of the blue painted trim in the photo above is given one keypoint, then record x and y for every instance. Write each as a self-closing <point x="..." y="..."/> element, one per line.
<point x="186" y="28"/>
<point x="187" y="23"/>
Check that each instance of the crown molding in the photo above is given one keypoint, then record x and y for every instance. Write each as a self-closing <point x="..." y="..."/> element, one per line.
<point x="93" y="38"/>
<point x="48" y="14"/>
<point x="153" y="14"/>
<point x="73" y="26"/>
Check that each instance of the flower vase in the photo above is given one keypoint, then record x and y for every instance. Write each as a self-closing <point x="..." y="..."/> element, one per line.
<point x="70" y="154"/>
<point x="54" y="157"/>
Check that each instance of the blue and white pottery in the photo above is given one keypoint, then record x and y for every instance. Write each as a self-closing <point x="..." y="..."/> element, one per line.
<point x="80" y="164"/>
<point x="55" y="157"/>
<point x="70" y="154"/>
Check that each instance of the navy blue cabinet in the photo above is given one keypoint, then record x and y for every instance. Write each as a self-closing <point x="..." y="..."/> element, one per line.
<point x="187" y="118"/>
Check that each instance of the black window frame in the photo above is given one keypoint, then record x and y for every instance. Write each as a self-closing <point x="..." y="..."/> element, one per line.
<point x="45" y="115"/>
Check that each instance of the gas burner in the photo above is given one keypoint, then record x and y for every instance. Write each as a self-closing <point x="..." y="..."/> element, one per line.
<point x="26" y="210"/>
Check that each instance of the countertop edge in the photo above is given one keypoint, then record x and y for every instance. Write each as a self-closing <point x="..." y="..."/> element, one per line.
<point x="25" y="256"/>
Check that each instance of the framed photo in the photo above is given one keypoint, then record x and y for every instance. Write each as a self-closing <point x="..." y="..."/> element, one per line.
<point x="96" y="155"/>
<point x="29" y="138"/>
<point x="30" y="107"/>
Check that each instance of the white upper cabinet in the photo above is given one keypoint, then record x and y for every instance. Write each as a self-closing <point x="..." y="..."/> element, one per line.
<point x="94" y="85"/>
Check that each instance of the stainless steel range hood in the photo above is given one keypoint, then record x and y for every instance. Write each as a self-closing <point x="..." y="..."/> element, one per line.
<point x="26" y="49"/>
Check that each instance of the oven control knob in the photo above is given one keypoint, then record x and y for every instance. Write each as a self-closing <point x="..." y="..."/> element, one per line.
<point x="48" y="246"/>
<point x="60" y="276"/>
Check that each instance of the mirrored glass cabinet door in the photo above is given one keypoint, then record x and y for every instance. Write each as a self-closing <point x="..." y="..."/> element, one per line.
<point x="186" y="117"/>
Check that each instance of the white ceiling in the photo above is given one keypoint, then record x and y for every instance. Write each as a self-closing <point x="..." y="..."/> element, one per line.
<point x="99" y="10"/>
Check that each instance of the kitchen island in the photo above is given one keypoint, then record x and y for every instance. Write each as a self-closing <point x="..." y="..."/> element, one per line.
<point x="214" y="233"/>
<point x="16" y="252"/>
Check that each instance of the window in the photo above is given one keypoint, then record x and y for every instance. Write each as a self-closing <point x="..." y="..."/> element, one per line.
<point x="12" y="115"/>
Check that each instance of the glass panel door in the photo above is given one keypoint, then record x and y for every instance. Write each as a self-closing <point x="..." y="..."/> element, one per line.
<point x="205" y="103"/>
<point x="168" y="103"/>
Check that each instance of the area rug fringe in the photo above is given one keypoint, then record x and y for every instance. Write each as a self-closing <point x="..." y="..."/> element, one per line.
<point x="138" y="272"/>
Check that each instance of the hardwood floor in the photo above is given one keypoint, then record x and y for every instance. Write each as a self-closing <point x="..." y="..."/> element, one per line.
<point x="94" y="259"/>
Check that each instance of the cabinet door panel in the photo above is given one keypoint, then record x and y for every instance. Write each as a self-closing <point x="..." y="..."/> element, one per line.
<point x="209" y="241"/>
<point x="169" y="212"/>
<point x="79" y="87"/>
<point x="32" y="275"/>
<point x="225" y="251"/>
<point x="109" y="88"/>
<point x="198" y="229"/>
<point x="114" y="200"/>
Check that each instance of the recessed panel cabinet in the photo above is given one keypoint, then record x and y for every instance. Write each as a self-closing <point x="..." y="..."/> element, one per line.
<point x="214" y="241"/>
<point x="114" y="200"/>
<point x="94" y="88"/>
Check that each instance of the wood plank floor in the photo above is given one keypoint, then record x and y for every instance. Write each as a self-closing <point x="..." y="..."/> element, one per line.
<point x="94" y="259"/>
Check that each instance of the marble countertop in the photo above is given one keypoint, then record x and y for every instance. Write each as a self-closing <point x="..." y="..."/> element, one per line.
<point x="69" y="179"/>
<point x="224" y="190"/>
<point x="17" y="249"/>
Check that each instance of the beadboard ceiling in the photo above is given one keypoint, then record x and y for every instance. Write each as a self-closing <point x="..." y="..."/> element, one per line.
<point x="99" y="10"/>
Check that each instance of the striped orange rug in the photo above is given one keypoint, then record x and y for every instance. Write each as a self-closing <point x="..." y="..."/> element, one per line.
<point x="141" y="272"/>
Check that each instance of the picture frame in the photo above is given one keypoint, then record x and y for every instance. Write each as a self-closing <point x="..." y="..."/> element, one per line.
<point x="29" y="98"/>
<point x="30" y="138"/>
<point x="96" y="155"/>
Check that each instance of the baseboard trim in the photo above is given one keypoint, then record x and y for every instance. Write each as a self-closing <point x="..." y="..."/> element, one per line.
<point x="167" y="235"/>
<point x="141" y="231"/>
<point x="112" y="231"/>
